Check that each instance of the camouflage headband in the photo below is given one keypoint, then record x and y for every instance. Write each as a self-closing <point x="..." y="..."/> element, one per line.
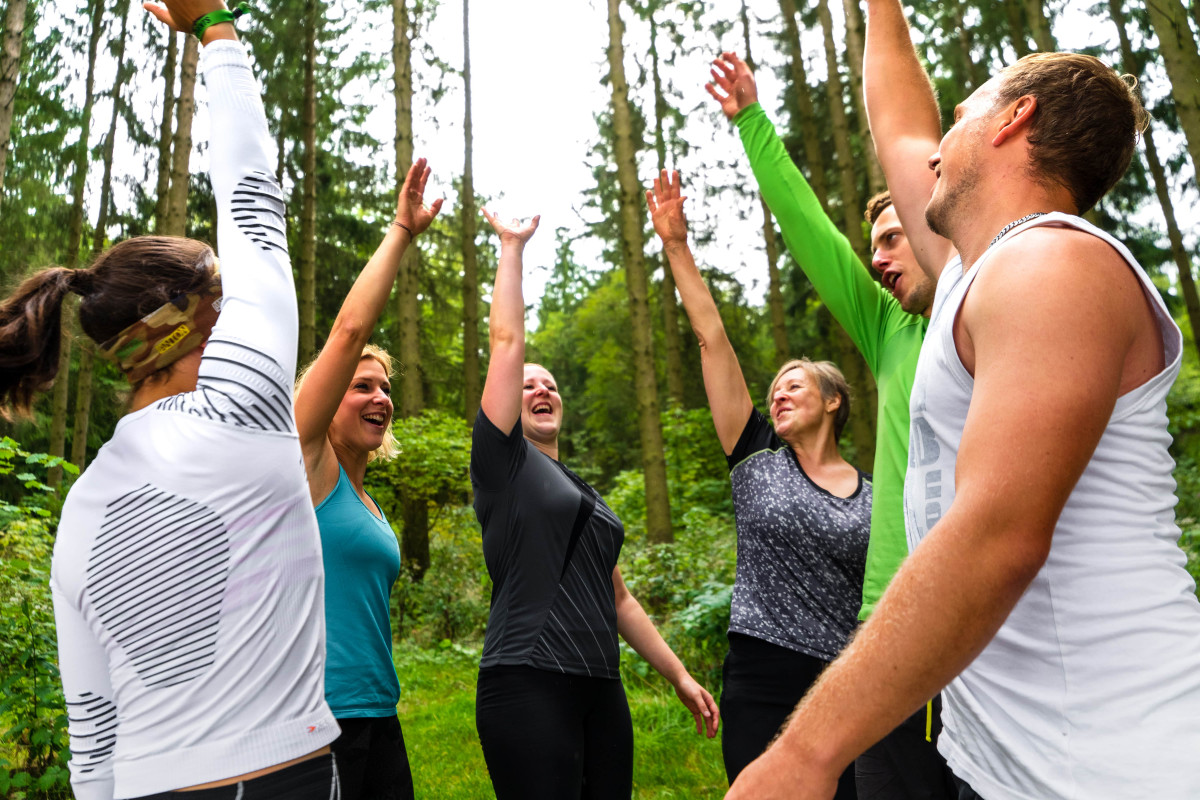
<point x="168" y="333"/>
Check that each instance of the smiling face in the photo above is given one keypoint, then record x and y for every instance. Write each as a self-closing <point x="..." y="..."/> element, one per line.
<point x="541" y="405"/>
<point x="797" y="404"/>
<point x="894" y="259"/>
<point x="365" y="414"/>
<point x="956" y="163"/>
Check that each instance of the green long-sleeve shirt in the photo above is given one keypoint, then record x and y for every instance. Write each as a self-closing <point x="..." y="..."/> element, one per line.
<point x="888" y="337"/>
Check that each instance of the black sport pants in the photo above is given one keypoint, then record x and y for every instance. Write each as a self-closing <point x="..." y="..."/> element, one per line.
<point x="905" y="764"/>
<point x="763" y="683"/>
<point x="311" y="779"/>
<point x="549" y="736"/>
<point x="372" y="762"/>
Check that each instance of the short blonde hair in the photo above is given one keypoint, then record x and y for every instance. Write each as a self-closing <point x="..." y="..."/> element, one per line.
<point x="389" y="448"/>
<point x="830" y="382"/>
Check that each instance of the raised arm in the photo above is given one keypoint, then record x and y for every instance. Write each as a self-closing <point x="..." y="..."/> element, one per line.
<point x="501" y="401"/>
<point x="1011" y="486"/>
<point x="905" y="125"/>
<point x="636" y="628"/>
<point x="856" y="300"/>
<point x="319" y="398"/>
<point x="728" y="397"/>
<point x="249" y="361"/>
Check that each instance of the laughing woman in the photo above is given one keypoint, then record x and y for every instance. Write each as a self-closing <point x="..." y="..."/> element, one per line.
<point x="802" y="512"/>
<point x="551" y="710"/>
<point x="344" y="418"/>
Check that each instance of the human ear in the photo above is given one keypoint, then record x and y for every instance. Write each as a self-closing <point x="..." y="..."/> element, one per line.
<point x="1017" y="117"/>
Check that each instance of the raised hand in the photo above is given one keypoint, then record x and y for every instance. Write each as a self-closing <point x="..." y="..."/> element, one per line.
<point x="513" y="231"/>
<point x="666" y="208"/>
<point x="411" y="212"/>
<point x="181" y="15"/>
<point x="732" y="84"/>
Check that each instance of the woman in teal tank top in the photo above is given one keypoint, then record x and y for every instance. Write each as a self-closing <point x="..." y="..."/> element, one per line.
<point x="343" y="417"/>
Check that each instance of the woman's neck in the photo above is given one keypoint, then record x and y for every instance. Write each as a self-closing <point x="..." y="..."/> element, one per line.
<point x="180" y="377"/>
<point x="354" y="462"/>
<point x="817" y="448"/>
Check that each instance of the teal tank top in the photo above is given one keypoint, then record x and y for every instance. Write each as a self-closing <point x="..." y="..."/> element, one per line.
<point x="362" y="561"/>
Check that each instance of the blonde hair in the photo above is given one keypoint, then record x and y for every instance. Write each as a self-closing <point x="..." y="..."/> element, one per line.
<point x="389" y="448"/>
<point x="830" y="382"/>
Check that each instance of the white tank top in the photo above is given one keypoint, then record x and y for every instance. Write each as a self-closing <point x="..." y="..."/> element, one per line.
<point x="1091" y="688"/>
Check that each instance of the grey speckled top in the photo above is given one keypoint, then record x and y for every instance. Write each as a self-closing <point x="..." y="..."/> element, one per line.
<point x="801" y="550"/>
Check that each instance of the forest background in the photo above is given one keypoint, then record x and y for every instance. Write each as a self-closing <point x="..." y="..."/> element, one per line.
<point x="103" y="136"/>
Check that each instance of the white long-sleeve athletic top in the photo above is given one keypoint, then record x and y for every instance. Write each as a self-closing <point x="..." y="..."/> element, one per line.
<point x="187" y="576"/>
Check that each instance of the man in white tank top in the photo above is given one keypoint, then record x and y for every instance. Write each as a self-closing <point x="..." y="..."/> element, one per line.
<point x="1046" y="591"/>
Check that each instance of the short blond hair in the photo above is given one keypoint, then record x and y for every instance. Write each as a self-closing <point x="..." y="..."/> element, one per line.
<point x="389" y="448"/>
<point x="830" y="382"/>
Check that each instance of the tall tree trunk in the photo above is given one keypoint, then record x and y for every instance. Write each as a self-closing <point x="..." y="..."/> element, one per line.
<point x="851" y="201"/>
<point x="1177" y="45"/>
<point x="163" y="188"/>
<point x="414" y="511"/>
<point x="633" y="247"/>
<point x="774" y="280"/>
<point x="1187" y="283"/>
<point x="861" y="425"/>
<point x="670" y="304"/>
<point x="408" y="310"/>
<point x="470" y="280"/>
<point x="87" y="352"/>
<point x="58" y="413"/>
<point x="1016" y="27"/>
<point x="967" y="68"/>
<point x="851" y="361"/>
<point x="855" y="33"/>
<point x="185" y="109"/>
<point x="1039" y="26"/>
<point x="308" y="210"/>
<point x="10" y="66"/>
<point x="802" y="114"/>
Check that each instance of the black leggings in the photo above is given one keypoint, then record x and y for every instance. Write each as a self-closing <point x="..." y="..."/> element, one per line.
<point x="551" y="736"/>
<point x="311" y="779"/>
<point x="763" y="683"/>
<point x="372" y="762"/>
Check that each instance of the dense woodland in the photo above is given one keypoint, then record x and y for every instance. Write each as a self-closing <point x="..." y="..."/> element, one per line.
<point x="97" y="106"/>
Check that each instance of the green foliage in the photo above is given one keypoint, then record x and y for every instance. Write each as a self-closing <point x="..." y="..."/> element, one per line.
<point x="437" y="710"/>
<point x="33" y="718"/>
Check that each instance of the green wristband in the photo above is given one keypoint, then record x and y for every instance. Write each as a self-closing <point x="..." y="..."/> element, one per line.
<point x="217" y="17"/>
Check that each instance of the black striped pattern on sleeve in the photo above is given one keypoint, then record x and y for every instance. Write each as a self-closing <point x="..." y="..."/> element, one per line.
<point x="92" y="722"/>
<point x="258" y="211"/>
<point x="156" y="578"/>
<point x="241" y="386"/>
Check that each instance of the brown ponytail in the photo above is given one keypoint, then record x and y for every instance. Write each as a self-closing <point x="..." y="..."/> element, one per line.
<point x="30" y="337"/>
<point x="127" y="281"/>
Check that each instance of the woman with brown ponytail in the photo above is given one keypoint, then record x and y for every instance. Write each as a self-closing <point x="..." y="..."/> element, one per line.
<point x="187" y="575"/>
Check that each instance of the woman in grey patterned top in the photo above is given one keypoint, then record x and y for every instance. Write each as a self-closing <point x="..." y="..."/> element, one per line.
<point x="802" y="512"/>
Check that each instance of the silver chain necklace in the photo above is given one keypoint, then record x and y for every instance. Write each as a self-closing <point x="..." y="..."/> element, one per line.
<point x="1014" y="224"/>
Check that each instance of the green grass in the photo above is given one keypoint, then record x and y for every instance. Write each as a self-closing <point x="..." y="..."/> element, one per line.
<point x="437" y="712"/>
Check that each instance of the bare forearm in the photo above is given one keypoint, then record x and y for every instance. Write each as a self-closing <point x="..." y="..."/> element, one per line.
<point x="936" y="616"/>
<point x="369" y="294"/>
<point x="507" y="317"/>
<point x="636" y="628"/>
<point x="900" y="99"/>
<point x="697" y="301"/>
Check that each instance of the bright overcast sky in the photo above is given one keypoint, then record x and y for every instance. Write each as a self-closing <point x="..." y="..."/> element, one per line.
<point x="536" y="67"/>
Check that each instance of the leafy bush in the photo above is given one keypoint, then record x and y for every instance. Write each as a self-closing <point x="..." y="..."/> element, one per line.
<point x="450" y="604"/>
<point x="32" y="712"/>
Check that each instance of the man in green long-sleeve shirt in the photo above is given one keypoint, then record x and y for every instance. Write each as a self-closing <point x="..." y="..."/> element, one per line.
<point x="888" y="326"/>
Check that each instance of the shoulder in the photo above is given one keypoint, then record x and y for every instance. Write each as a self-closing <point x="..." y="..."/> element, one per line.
<point x="1055" y="273"/>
